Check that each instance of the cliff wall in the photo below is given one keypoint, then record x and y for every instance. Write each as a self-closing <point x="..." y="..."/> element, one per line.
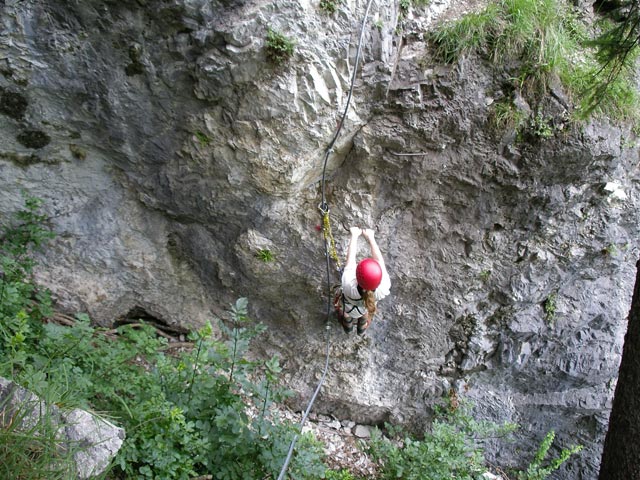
<point x="170" y="151"/>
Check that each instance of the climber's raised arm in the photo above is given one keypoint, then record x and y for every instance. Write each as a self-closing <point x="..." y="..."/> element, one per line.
<point x="353" y="246"/>
<point x="375" y="250"/>
<point x="385" y="282"/>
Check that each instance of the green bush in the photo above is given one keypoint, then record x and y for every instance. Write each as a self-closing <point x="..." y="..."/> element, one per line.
<point x="28" y="449"/>
<point x="185" y="415"/>
<point x="279" y="48"/>
<point x="329" y="6"/>
<point x="452" y="448"/>
<point x="22" y="303"/>
<point x="541" y="126"/>
<point x="202" y="138"/>
<point x="549" y="306"/>
<point x="536" y="470"/>
<point x="265" y="255"/>
<point x="339" y="475"/>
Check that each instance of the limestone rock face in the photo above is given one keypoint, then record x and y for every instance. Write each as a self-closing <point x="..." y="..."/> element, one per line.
<point x="170" y="153"/>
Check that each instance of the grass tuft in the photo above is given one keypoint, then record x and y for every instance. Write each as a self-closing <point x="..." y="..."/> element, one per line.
<point x="538" y="42"/>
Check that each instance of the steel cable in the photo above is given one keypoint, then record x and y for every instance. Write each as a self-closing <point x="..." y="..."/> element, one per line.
<point x="324" y="208"/>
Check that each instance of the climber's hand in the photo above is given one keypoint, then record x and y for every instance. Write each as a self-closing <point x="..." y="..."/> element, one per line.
<point x="368" y="233"/>
<point x="355" y="231"/>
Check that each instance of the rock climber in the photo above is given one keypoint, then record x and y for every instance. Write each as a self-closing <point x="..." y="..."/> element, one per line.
<point x="363" y="284"/>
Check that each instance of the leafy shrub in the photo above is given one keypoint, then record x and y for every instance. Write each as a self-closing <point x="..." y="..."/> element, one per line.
<point x="279" y="47"/>
<point x="339" y="475"/>
<point x="185" y="415"/>
<point x="453" y="448"/>
<point x="540" y="125"/>
<point x="28" y="449"/>
<point x="536" y="470"/>
<point x="202" y="138"/>
<point x="21" y="301"/>
<point x="550" y="306"/>
<point x="329" y="6"/>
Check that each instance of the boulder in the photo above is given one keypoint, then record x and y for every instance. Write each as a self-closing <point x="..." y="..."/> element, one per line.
<point x="93" y="441"/>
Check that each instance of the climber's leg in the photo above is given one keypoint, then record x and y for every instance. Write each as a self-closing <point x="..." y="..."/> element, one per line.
<point x="363" y="323"/>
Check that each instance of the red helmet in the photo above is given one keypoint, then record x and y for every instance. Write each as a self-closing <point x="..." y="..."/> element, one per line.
<point x="369" y="274"/>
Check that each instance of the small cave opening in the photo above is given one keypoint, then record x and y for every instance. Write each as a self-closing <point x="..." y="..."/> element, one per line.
<point x="138" y="315"/>
<point x="607" y="6"/>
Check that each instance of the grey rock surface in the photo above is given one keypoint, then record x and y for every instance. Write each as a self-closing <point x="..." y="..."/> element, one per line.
<point x="169" y="152"/>
<point x="93" y="440"/>
<point x="362" y="431"/>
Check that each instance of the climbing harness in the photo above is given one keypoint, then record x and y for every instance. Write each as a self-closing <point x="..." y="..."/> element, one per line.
<point x="329" y="246"/>
<point x="354" y="308"/>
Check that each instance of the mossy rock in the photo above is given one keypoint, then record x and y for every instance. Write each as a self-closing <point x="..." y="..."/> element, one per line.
<point x="78" y="152"/>
<point x="134" y="68"/>
<point x="13" y="104"/>
<point x="22" y="160"/>
<point x="33" y="139"/>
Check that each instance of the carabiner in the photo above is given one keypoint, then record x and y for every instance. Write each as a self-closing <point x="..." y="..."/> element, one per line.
<point x="324" y="208"/>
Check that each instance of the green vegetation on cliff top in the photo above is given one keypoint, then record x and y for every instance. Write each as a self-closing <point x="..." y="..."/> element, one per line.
<point x="538" y="43"/>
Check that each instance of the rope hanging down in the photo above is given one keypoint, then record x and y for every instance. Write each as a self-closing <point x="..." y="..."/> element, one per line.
<point x="328" y="238"/>
<point x="329" y="245"/>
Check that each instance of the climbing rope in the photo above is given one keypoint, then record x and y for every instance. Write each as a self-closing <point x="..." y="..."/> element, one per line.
<point x="328" y="237"/>
<point x="329" y="247"/>
<point x="346" y="107"/>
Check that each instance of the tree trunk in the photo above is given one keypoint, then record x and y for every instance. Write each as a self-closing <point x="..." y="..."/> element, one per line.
<point x="621" y="455"/>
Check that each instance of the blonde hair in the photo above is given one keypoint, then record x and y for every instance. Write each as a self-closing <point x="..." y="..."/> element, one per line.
<point x="369" y="297"/>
